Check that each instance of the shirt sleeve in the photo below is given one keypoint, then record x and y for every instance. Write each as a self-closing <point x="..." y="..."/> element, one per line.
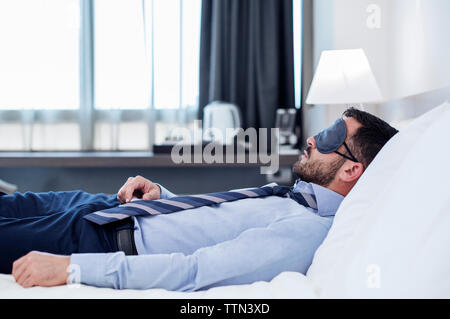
<point x="254" y="255"/>
<point x="165" y="193"/>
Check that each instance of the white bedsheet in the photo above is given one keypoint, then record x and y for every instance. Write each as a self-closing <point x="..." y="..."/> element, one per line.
<point x="287" y="285"/>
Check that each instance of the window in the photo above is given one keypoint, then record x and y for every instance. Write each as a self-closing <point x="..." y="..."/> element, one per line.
<point x="103" y="74"/>
<point x="96" y="75"/>
<point x="39" y="61"/>
<point x="146" y="53"/>
<point x="39" y="67"/>
<point x="122" y="74"/>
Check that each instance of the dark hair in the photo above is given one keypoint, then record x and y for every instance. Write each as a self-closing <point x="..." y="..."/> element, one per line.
<point x="370" y="137"/>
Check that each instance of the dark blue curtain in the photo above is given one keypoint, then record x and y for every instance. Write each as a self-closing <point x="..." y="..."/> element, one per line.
<point x="246" y="57"/>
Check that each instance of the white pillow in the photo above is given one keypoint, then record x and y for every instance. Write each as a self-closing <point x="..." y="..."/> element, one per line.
<point x="391" y="235"/>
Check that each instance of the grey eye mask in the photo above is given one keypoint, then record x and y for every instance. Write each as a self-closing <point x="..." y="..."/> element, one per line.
<point x="330" y="139"/>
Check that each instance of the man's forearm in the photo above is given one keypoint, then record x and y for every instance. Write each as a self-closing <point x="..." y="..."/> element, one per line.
<point x="115" y="270"/>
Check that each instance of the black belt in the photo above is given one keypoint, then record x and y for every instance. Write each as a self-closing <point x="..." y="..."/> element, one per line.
<point x="125" y="237"/>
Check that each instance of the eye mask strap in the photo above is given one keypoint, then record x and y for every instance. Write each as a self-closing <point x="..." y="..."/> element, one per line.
<point x="352" y="158"/>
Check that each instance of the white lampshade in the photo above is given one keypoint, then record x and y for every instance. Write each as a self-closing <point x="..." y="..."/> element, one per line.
<point x="343" y="77"/>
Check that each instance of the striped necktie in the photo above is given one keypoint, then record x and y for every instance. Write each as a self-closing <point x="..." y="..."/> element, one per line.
<point x="178" y="203"/>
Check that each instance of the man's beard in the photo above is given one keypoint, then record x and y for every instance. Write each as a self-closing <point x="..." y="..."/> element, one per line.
<point x="317" y="172"/>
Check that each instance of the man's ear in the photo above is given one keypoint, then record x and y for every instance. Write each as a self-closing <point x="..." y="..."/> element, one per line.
<point x="351" y="171"/>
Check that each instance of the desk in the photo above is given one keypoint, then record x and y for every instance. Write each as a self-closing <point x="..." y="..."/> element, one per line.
<point x="115" y="159"/>
<point x="107" y="171"/>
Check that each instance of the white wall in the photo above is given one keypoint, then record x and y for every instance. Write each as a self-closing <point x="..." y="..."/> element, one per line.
<point x="322" y="40"/>
<point x="409" y="53"/>
<point x="421" y="62"/>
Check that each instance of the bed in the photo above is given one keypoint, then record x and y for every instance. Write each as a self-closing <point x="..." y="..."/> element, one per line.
<point x="389" y="239"/>
<point x="287" y="285"/>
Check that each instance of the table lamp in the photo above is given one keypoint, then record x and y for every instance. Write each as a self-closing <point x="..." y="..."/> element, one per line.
<point x="343" y="77"/>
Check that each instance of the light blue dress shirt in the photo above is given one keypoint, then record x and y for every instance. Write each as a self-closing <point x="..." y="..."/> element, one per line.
<point x="231" y="243"/>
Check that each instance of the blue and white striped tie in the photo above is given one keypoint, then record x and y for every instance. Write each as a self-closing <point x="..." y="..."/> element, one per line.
<point x="178" y="203"/>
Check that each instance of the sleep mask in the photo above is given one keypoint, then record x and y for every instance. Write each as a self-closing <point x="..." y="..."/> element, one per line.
<point x="330" y="139"/>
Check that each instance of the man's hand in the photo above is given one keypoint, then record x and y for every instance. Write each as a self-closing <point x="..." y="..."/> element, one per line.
<point x="138" y="187"/>
<point x="41" y="269"/>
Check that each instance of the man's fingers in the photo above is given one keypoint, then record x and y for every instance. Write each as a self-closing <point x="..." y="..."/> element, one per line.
<point x="122" y="191"/>
<point x="19" y="268"/>
<point x="22" y="268"/>
<point x="16" y="265"/>
<point x="129" y="190"/>
<point x="140" y="185"/>
<point x="137" y="185"/>
<point x="126" y="192"/>
<point x="23" y="276"/>
<point x="152" y="194"/>
<point x="25" y="281"/>
<point x="28" y="282"/>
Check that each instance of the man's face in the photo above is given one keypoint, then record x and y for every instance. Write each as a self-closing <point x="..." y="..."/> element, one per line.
<point x="321" y="169"/>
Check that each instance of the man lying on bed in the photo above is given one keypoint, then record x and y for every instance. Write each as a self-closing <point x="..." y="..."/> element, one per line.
<point x="234" y="239"/>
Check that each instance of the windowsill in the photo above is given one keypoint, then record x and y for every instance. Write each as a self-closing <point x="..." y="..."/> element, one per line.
<point x="113" y="159"/>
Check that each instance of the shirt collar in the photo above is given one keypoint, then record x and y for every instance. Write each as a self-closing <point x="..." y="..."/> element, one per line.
<point x="328" y="201"/>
